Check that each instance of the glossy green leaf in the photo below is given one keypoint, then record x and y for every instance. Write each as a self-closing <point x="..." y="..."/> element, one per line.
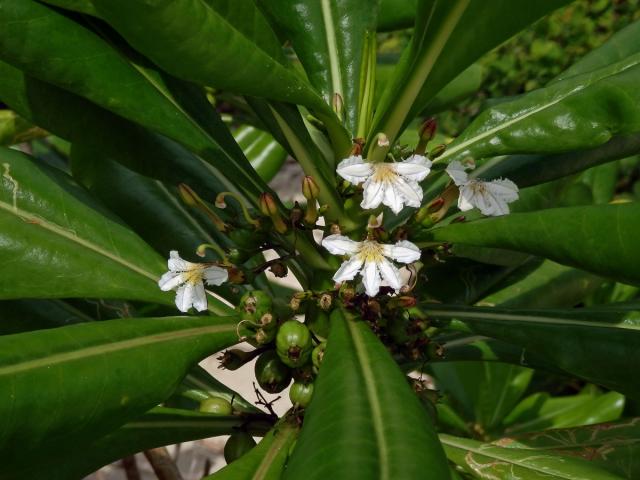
<point x="363" y="405"/>
<point x="448" y="37"/>
<point x="464" y="85"/>
<point x="490" y="461"/>
<point x="125" y="367"/>
<point x="334" y="40"/>
<point x="526" y="170"/>
<point x="266" y="460"/>
<point x="166" y="33"/>
<point x="600" y="239"/>
<point x="613" y="446"/>
<point x="158" y="427"/>
<point x="486" y="391"/>
<point x="82" y="6"/>
<point x="52" y="229"/>
<point x="596" y="345"/>
<point x="584" y="111"/>
<point x="91" y="68"/>
<point x="541" y="411"/>
<point x="265" y="154"/>
<point x="397" y="14"/>
<point x="547" y="285"/>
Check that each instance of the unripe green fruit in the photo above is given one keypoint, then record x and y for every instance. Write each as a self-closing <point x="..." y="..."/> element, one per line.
<point x="272" y="375"/>
<point x="254" y="305"/>
<point x="318" y="353"/>
<point x="239" y="443"/>
<point x="216" y="405"/>
<point x="301" y="393"/>
<point x="293" y="343"/>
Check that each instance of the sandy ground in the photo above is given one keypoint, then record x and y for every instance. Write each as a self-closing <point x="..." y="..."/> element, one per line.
<point x="192" y="457"/>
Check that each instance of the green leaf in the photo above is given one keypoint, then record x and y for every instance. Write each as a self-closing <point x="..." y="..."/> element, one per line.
<point x="91" y="68"/>
<point x="82" y="6"/>
<point x="547" y="285"/>
<point x="335" y="41"/>
<point x="600" y="239"/>
<point x="487" y="392"/>
<point x="158" y="427"/>
<point x="542" y="411"/>
<point x="17" y="316"/>
<point x="364" y="406"/>
<point x="593" y="344"/>
<point x="166" y="33"/>
<point x="613" y="446"/>
<point x="584" y="111"/>
<point x="448" y="37"/>
<point x="266" y="460"/>
<point x="397" y="14"/>
<point x="265" y="154"/>
<point x="490" y="461"/>
<point x="93" y="377"/>
<point x="464" y="85"/>
<point x="51" y="229"/>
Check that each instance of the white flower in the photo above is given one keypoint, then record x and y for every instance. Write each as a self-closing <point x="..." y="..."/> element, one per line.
<point x="393" y="184"/>
<point x="492" y="198"/>
<point x="370" y="259"/>
<point x="189" y="277"/>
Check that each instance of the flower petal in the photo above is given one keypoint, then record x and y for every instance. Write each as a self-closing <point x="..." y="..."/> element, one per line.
<point x="410" y="191"/>
<point x="215" y="275"/>
<point x="391" y="274"/>
<point x="416" y="167"/>
<point x="371" y="278"/>
<point x="340" y="245"/>
<point x="177" y="264"/>
<point x="354" y="169"/>
<point x="348" y="270"/>
<point x="403" y="251"/>
<point x="184" y="297"/>
<point x="466" y="198"/>
<point x="199" y="297"/>
<point x="504" y="189"/>
<point x="457" y="173"/>
<point x="169" y="281"/>
<point x="393" y="198"/>
<point x="373" y="194"/>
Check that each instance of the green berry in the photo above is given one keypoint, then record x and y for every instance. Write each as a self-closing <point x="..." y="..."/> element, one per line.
<point x="216" y="405"/>
<point x="293" y="343"/>
<point x="272" y="375"/>
<point x="253" y="305"/>
<point x="301" y="393"/>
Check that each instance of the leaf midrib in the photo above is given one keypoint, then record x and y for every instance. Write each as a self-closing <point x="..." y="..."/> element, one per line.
<point x="332" y="50"/>
<point x="461" y="146"/>
<point x="281" y="438"/>
<point x="527" y="318"/>
<point x="370" y="390"/>
<point x="60" y="231"/>
<point x="95" y="350"/>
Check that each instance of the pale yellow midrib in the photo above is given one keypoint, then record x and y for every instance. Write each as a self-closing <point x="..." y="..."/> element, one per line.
<point x="376" y="408"/>
<point x="95" y="350"/>
<point x="332" y="48"/>
<point x="52" y="227"/>
<point x="278" y="442"/>
<point x="502" y="126"/>
<point x="529" y="318"/>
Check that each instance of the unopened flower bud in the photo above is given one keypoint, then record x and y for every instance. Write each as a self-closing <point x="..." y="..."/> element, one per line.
<point x="188" y="196"/>
<point x="338" y="104"/>
<point x="428" y="130"/>
<point x="325" y="300"/>
<point x="269" y="208"/>
<point x="310" y="188"/>
<point x="437" y="151"/>
<point x="335" y="229"/>
<point x="294" y="304"/>
<point x="191" y="199"/>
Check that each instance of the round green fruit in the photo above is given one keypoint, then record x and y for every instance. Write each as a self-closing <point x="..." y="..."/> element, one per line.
<point x="293" y="343"/>
<point x="216" y="405"/>
<point x="254" y="304"/>
<point x="272" y="375"/>
<point x="239" y="443"/>
<point x="301" y="393"/>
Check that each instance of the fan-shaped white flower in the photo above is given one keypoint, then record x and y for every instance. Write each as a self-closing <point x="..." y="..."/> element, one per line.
<point x="371" y="260"/>
<point x="491" y="198"/>
<point x="189" y="279"/>
<point x="393" y="184"/>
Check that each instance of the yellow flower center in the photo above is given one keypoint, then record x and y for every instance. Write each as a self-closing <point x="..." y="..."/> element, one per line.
<point x="194" y="275"/>
<point x="370" y="251"/>
<point x="477" y="186"/>
<point x="384" y="172"/>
